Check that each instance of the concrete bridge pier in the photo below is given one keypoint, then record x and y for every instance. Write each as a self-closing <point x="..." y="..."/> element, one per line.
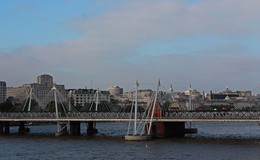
<point x="1" y="127"/>
<point x="22" y="129"/>
<point x="74" y="128"/>
<point x="4" y="127"/>
<point x="7" y="127"/>
<point x="170" y="129"/>
<point x="91" y="128"/>
<point x="174" y="129"/>
<point x="63" y="129"/>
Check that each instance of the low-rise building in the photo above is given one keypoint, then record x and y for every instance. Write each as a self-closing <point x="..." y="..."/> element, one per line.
<point x="144" y="97"/>
<point x="85" y="96"/>
<point x="194" y="93"/>
<point x="115" y="90"/>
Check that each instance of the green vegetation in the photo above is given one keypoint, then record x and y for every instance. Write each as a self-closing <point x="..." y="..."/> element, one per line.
<point x="103" y="106"/>
<point x="127" y="109"/>
<point x="6" y="106"/>
<point x="34" y="106"/>
<point x="9" y="107"/>
<point x="51" y="107"/>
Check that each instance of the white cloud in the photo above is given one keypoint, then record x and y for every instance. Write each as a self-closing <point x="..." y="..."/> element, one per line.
<point x="114" y="36"/>
<point x="148" y="20"/>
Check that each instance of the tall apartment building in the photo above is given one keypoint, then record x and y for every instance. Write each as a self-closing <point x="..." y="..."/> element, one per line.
<point x="2" y="91"/>
<point x="41" y="89"/>
<point x="83" y="96"/>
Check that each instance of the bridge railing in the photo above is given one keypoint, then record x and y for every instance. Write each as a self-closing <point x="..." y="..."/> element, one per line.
<point x="228" y="115"/>
<point x="213" y="115"/>
<point x="98" y="115"/>
<point x="28" y="115"/>
<point x="72" y="115"/>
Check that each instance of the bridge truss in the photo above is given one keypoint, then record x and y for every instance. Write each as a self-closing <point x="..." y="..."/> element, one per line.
<point x="180" y="116"/>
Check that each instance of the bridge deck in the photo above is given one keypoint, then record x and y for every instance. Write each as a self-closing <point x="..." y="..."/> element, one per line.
<point x="180" y="116"/>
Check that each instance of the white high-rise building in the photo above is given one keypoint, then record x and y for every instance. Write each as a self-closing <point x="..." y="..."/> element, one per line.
<point x="2" y="91"/>
<point x="41" y="89"/>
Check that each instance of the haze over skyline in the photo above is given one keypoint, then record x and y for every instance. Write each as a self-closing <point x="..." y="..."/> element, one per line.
<point x="210" y="44"/>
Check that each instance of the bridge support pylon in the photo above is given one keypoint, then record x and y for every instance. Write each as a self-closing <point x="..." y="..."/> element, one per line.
<point x="4" y="127"/>
<point x="63" y="130"/>
<point x="174" y="129"/>
<point x="7" y="127"/>
<point x="74" y="128"/>
<point x="1" y="127"/>
<point x="22" y="129"/>
<point x="91" y="128"/>
<point x="170" y="129"/>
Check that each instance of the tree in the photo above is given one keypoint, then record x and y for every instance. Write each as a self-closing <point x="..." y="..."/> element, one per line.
<point x="6" y="106"/>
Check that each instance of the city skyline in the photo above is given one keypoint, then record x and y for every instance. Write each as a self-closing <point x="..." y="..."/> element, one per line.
<point x="142" y="86"/>
<point x="209" y="44"/>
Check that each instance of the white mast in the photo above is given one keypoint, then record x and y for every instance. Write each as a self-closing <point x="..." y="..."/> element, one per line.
<point x="56" y="107"/>
<point x="154" y="103"/>
<point x="190" y="105"/>
<point x="30" y="101"/>
<point x="97" y="98"/>
<point x="136" y="100"/>
<point x="69" y="95"/>
<point x="171" y="90"/>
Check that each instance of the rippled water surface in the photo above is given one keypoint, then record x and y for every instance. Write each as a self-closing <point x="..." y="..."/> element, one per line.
<point x="213" y="141"/>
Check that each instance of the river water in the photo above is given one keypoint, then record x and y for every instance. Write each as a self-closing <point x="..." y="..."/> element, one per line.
<point x="214" y="141"/>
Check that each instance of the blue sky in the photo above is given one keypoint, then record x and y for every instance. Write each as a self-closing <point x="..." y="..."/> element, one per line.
<point x="34" y="22"/>
<point x="210" y="44"/>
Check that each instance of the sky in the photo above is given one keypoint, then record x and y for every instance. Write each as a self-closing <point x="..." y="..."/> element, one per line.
<point x="209" y="44"/>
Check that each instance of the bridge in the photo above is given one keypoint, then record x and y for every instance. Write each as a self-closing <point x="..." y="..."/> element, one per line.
<point x="153" y="120"/>
<point x="173" y="122"/>
<point x="177" y="116"/>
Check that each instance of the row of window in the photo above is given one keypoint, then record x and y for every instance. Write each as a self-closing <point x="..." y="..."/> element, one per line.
<point x="91" y="97"/>
<point x="84" y="95"/>
<point x="89" y="100"/>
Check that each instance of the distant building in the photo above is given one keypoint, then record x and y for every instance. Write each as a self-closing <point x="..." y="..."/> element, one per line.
<point x="17" y="93"/>
<point x="41" y="89"/>
<point x="227" y="94"/>
<point x="218" y="96"/>
<point x="238" y="99"/>
<point x="85" y="96"/>
<point x="144" y="97"/>
<point x="180" y="95"/>
<point x="194" y="93"/>
<point x="2" y="91"/>
<point x="115" y="90"/>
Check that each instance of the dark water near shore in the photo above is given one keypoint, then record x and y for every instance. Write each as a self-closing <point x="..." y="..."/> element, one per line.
<point x="213" y="141"/>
